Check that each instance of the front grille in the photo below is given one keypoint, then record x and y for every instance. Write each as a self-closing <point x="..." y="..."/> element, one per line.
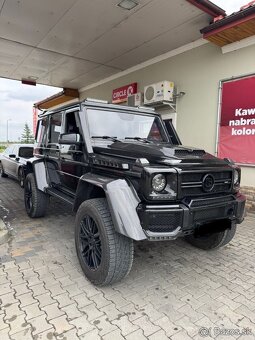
<point x="210" y="201"/>
<point x="192" y="182"/>
<point x="186" y="153"/>
<point x="164" y="222"/>
<point x="159" y="220"/>
<point x="208" y="214"/>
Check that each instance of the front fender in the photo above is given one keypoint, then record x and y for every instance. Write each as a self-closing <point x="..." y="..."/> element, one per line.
<point x="37" y="166"/>
<point x="122" y="200"/>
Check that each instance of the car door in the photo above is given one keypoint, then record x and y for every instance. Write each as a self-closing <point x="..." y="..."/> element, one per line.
<point x="5" y="159"/>
<point x="15" y="161"/>
<point x="51" y="150"/>
<point x="9" y="163"/>
<point x="73" y="158"/>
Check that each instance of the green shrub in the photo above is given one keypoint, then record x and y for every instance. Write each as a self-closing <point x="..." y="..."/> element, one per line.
<point x="2" y="148"/>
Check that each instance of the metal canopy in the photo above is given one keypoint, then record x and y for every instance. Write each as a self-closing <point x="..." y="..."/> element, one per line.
<point x="74" y="43"/>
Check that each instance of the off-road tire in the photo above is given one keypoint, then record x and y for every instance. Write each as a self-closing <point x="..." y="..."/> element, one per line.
<point x="212" y="241"/>
<point x="21" y="177"/>
<point x="38" y="200"/>
<point x="2" y="173"/>
<point x="116" y="249"/>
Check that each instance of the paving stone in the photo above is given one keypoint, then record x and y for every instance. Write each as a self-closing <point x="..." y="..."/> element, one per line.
<point x="73" y="290"/>
<point x="32" y="311"/>
<point x="70" y="335"/>
<point x="3" y="323"/>
<point x="39" y="324"/>
<point x="63" y="300"/>
<point x="52" y="311"/>
<point x="92" y="311"/>
<point x="167" y="325"/>
<point x="137" y="335"/>
<point x="4" y="334"/>
<point x="5" y="289"/>
<point x="25" y="334"/>
<point x="125" y="325"/>
<point x="158" y="335"/>
<point x="116" y="335"/>
<point x="38" y="289"/>
<point x="181" y="336"/>
<point x="26" y="299"/>
<point x="100" y="300"/>
<point x="147" y="326"/>
<point x="72" y="311"/>
<point x="82" y="325"/>
<point x="104" y="325"/>
<point x="65" y="281"/>
<point x="56" y="289"/>
<point x="111" y="311"/>
<point x="61" y="324"/>
<point x="46" y="335"/>
<point x="17" y="323"/>
<point x="12" y="309"/>
<point x="45" y="299"/>
<point x="82" y="300"/>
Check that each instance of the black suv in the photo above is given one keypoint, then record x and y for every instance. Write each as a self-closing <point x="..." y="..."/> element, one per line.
<point x="128" y="178"/>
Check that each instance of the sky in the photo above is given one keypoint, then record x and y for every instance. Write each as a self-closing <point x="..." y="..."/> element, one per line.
<point x="16" y="104"/>
<point x="16" y="100"/>
<point x="230" y="6"/>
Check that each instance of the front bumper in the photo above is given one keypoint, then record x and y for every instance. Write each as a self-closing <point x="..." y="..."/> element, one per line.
<point x="161" y="222"/>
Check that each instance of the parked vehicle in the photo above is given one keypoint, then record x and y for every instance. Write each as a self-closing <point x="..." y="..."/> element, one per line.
<point x="13" y="161"/>
<point x="129" y="178"/>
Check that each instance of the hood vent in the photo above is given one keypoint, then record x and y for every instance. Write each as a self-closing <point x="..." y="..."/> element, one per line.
<point x="189" y="153"/>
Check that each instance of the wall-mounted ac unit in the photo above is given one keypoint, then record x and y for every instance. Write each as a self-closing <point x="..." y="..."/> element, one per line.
<point x="159" y="92"/>
<point x="135" y="99"/>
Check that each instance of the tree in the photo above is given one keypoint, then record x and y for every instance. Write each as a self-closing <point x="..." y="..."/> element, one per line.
<point x="27" y="136"/>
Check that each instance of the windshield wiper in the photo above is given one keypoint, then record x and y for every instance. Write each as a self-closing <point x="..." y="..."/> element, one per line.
<point x="114" y="139"/>
<point x="145" y="140"/>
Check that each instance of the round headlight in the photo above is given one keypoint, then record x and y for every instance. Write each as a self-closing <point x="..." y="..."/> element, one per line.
<point x="158" y="182"/>
<point x="236" y="177"/>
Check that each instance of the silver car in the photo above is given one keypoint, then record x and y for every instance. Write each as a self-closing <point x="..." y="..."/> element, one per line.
<point x="13" y="161"/>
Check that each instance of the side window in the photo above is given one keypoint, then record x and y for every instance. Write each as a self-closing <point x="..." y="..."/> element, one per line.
<point x="71" y="123"/>
<point x="41" y="131"/>
<point x="15" y="150"/>
<point x="55" y="128"/>
<point x="9" y="150"/>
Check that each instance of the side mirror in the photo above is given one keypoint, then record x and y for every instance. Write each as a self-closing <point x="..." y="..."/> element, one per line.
<point x="12" y="155"/>
<point x="70" y="138"/>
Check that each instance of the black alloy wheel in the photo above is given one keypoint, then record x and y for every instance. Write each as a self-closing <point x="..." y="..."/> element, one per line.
<point x="90" y="243"/>
<point x="36" y="201"/>
<point x="28" y="196"/>
<point x="105" y="255"/>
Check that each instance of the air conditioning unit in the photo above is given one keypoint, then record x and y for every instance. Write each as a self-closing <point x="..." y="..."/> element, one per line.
<point x="135" y="99"/>
<point x="159" y="92"/>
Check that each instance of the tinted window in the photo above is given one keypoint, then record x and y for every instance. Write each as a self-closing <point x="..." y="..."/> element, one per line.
<point x="71" y="124"/>
<point x="55" y="128"/>
<point x="41" y="131"/>
<point x="122" y="125"/>
<point x="26" y="152"/>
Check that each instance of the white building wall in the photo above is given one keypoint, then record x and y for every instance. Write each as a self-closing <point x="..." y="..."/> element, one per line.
<point x="196" y="72"/>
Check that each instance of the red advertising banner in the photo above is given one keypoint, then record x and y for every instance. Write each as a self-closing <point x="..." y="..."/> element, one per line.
<point x="120" y="94"/>
<point x="35" y="117"/>
<point x="237" y="121"/>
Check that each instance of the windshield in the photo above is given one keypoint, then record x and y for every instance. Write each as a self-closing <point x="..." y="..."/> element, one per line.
<point x="123" y="125"/>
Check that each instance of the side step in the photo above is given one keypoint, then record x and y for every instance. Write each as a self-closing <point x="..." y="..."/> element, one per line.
<point x="62" y="196"/>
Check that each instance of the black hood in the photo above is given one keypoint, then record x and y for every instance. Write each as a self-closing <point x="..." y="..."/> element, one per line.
<point x="157" y="152"/>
